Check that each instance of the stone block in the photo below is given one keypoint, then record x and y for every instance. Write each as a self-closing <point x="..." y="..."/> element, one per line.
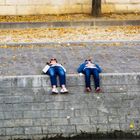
<point x="73" y="9"/>
<point x="134" y="7"/>
<point x="102" y="127"/>
<point x="45" y="81"/>
<point x="22" y="137"/>
<point x="25" y="2"/>
<point x="21" y="91"/>
<point x="136" y="102"/>
<point x="23" y="122"/>
<point x="79" y="120"/>
<point x="134" y="1"/>
<point x="40" y="91"/>
<point x="2" y="132"/>
<point x="42" y="122"/>
<point x="133" y="88"/>
<point x="125" y="127"/>
<point x="99" y="119"/>
<point x="5" y="92"/>
<point x="27" y="99"/>
<point x="8" y="123"/>
<point x="114" y="119"/>
<point x="121" y="8"/>
<point x="60" y="129"/>
<point x="113" y="127"/>
<point x="119" y="79"/>
<point x="115" y="88"/>
<point x="73" y="90"/>
<point x="22" y="82"/>
<point x="86" y="9"/>
<point x="85" y="128"/>
<point x="36" y="82"/>
<point x="36" y="2"/>
<point x="7" y="10"/>
<point x="26" y="10"/>
<point x="108" y="8"/>
<point x="5" y="82"/>
<point x="15" y="131"/>
<point x="113" y="111"/>
<point x="32" y="114"/>
<point x="39" y="106"/>
<point x="86" y="112"/>
<point x="6" y="107"/>
<point x="113" y="102"/>
<point x="118" y="1"/>
<point x="126" y="103"/>
<point x="13" y="115"/>
<point x="5" y="137"/>
<point x="22" y="107"/>
<point x="58" y="113"/>
<point x="2" y="2"/>
<point x="11" y="2"/>
<point x="46" y="9"/>
<point x="69" y="105"/>
<point x="38" y="137"/>
<point x="29" y="106"/>
<point x="1" y="115"/>
<point x="75" y="80"/>
<point x="59" y="121"/>
<point x="33" y="130"/>
<point x="11" y="99"/>
<point x="55" y="105"/>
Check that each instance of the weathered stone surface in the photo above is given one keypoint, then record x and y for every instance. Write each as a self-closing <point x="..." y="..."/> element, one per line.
<point x="33" y="130"/>
<point x="30" y="109"/>
<point x="59" y="129"/>
<point x="14" y="131"/>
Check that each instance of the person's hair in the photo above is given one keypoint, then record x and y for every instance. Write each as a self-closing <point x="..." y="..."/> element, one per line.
<point x="53" y="59"/>
<point x="88" y="60"/>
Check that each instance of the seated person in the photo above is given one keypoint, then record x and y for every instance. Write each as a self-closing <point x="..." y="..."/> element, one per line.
<point x="54" y="69"/>
<point x="89" y="68"/>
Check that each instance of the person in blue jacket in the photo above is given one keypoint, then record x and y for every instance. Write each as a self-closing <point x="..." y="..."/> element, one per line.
<point x="54" y="69"/>
<point x="89" y="68"/>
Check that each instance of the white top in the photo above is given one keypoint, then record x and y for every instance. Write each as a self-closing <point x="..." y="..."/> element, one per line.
<point x="46" y="68"/>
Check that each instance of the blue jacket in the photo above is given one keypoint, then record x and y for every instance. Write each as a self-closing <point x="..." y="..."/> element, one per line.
<point x="83" y="65"/>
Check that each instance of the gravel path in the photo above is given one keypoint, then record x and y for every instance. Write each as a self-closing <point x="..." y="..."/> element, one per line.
<point x="70" y="34"/>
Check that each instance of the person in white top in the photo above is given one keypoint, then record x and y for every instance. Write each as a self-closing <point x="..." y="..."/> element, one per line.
<point x="54" y="69"/>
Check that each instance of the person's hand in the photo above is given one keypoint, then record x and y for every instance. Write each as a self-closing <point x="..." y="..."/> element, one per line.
<point x="47" y="63"/>
<point x="80" y="74"/>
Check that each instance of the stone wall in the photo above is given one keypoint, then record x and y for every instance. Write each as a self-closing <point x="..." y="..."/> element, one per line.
<point x="32" y="7"/>
<point x="28" y="110"/>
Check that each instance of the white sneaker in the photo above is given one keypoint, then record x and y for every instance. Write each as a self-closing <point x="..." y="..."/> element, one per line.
<point x="63" y="90"/>
<point x="54" y="91"/>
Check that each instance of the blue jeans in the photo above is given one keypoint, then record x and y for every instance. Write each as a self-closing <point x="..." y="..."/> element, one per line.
<point x="92" y="71"/>
<point x="53" y="72"/>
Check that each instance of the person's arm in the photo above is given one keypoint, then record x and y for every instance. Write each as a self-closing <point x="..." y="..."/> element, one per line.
<point x="81" y="67"/>
<point x="99" y="68"/>
<point x="62" y="67"/>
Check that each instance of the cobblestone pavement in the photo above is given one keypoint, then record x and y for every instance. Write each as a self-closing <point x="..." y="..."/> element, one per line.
<point x="31" y="59"/>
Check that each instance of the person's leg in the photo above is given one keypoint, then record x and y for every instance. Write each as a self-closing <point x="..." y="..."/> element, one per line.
<point x="87" y="73"/>
<point x="52" y="73"/>
<point x="62" y="76"/>
<point x="96" y="78"/>
<point x="62" y="79"/>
